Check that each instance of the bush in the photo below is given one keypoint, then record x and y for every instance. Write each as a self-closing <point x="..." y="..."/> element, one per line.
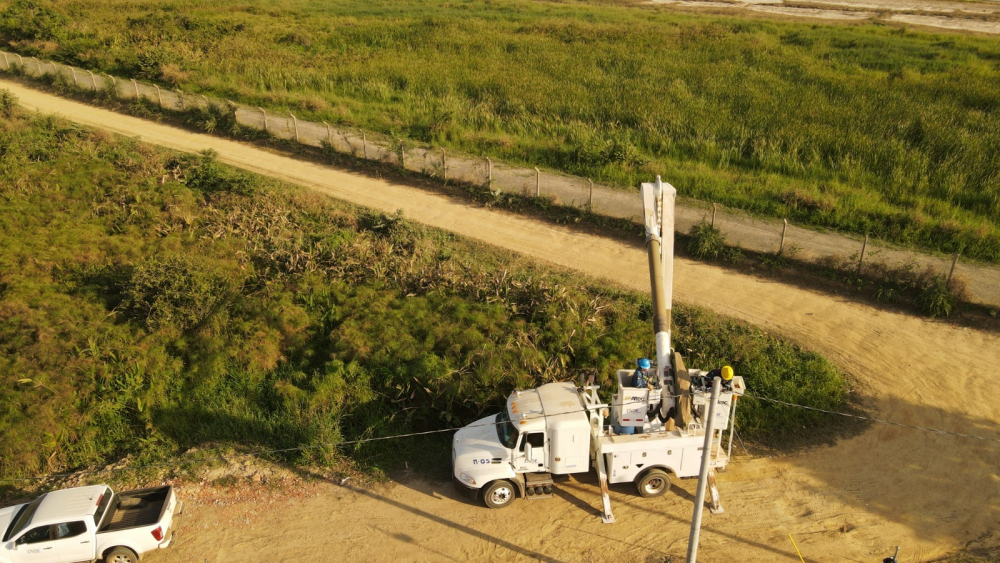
<point x="707" y="242"/>
<point x="937" y="299"/>
<point x="8" y="103"/>
<point x="205" y="173"/>
<point x="172" y="290"/>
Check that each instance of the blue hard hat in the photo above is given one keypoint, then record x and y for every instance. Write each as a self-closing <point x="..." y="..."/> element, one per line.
<point x="643" y="363"/>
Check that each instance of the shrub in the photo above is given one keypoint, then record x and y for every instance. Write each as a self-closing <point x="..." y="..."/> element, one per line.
<point x="205" y="173"/>
<point x="172" y="290"/>
<point x="707" y="242"/>
<point x="937" y="299"/>
<point x="8" y="103"/>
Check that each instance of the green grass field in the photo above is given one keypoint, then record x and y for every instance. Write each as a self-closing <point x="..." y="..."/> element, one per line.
<point x="863" y="128"/>
<point x="151" y="303"/>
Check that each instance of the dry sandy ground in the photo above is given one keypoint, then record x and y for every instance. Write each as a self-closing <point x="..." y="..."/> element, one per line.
<point x="975" y="17"/>
<point x="849" y="502"/>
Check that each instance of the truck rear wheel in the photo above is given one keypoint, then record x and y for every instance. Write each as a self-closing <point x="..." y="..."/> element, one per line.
<point x="499" y="494"/>
<point x="120" y="555"/>
<point x="654" y="484"/>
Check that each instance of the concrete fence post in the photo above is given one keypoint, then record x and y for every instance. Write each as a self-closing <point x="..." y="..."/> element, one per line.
<point x="295" y="126"/>
<point x="444" y="165"/>
<point x="20" y="60"/>
<point x="538" y="182"/>
<point x="72" y="71"/>
<point x="114" y="85"/>
<point x="329" y="135"/>
<point x="93" y="81"/>
<point x="590" y="200"/>
<point x="954" y="261"/>
<point x="180" y="97"/>
<point x="6" y="63"/>
<point x="861" y="259"/>
<point x="159" y="96"/>
<point x="715" y="208"/>
<point x="263" y="115"/>
<point x="402" y="153"/>
<point x="135" y="86"/>
<point x="489" y="173"/>
<point x="781" y="245"/>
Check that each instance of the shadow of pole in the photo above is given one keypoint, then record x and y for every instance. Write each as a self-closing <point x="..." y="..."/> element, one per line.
<point x="711" y="529"/>
<point x="453" y="525"/>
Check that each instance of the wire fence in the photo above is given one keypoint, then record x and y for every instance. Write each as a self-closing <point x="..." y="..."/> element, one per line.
<point x="766" y="236"/>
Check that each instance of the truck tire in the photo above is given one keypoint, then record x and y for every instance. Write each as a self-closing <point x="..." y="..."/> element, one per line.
<point x="655" y="483"/>
<point x="500" y="494"/>
<point x="120" y="555"/>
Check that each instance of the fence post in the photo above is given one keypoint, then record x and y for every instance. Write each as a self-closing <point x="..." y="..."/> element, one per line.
<point x="6" y="63"/>
<point x="180" y="96"/>
<point x="93" y="81"/>
<point x="208" y="104"/>
<point x="20" y="60"/>
<point x="329" y="135"/>
<point x="444" y="165"/>
<point x="295" y="126"/>
<point x="402" y="152"/>
<point x="263" y="114"/>
<point x="953" y="262"/>
<point x="590" y="202"/>
<point x="538" y="183"/>
<point x="135" y="85"/>
<point x="861" y="259"/>
<point x="114" y="85"/>
<point x="159" y="97"/>
<point x="489" y="173"/>
<point x="781" y="245"/>
<point x="715" y="208"/>
<point x="73" y="72"/>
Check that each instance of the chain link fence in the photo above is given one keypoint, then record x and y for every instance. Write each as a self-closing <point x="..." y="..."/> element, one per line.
<point x="757" y="235"/>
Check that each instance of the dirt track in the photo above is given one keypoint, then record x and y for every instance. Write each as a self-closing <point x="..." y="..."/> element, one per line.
<point x="853" y="501"/>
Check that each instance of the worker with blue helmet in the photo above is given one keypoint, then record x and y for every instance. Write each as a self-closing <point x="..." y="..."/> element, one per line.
<point x="641" y="377"/>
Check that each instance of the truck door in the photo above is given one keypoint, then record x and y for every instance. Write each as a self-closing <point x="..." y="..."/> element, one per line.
<point x="73" y="541"/>
<point x="531" y="456"/>
<point x="36" y="546"/>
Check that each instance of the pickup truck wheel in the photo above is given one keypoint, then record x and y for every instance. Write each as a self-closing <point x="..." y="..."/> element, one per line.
<point x="120" y="555"/>
<point x="654" y="484"/>
<point x="499" y="494"/>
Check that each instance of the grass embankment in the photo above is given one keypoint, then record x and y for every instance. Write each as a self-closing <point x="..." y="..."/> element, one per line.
<point x="864" y="128"/>
<point x="151" y="302"/>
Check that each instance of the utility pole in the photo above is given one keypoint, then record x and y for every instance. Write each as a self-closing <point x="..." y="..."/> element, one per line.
<point x="706" y="456"/>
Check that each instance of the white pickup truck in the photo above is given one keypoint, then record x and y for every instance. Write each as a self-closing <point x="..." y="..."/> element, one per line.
<point x="87" y="524"/>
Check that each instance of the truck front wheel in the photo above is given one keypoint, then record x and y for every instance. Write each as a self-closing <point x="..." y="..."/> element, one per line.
<point x="654" y="484"/>
<point x="120" y="555"/>
<point x="499" y="494"/>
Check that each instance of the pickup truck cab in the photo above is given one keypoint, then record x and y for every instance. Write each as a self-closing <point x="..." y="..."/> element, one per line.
<point x="88" y="523"/>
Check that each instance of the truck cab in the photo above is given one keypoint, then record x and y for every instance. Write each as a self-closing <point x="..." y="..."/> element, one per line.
<point x="541" y="432"/>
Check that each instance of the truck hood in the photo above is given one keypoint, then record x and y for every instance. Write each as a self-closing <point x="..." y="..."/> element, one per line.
<point x="478" y="441"/>
<point x="6" y="515"/>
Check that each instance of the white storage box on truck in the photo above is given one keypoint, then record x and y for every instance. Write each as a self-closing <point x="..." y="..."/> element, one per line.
<point x="89" y="523"/>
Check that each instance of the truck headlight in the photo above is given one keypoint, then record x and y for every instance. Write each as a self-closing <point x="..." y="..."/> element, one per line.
<point x="466" y="479"/>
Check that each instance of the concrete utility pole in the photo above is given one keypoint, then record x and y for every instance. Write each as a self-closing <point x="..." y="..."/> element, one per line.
<point x="706" y="456"/>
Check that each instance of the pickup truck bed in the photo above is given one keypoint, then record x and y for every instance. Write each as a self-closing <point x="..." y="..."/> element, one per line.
<point x="135" y="509"/>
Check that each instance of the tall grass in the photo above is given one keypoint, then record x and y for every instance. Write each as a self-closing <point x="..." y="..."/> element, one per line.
<point x="864" y="128"/>
<point x="151" y="302"/>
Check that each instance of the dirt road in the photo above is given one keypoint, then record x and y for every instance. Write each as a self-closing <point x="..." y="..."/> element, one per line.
<point x="852" y="501"/>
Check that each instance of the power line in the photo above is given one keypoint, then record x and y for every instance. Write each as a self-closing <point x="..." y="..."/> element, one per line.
<point x="878" y="420"/>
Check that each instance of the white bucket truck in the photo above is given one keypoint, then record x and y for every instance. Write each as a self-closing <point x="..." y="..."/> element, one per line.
<point x="645" y="436"/>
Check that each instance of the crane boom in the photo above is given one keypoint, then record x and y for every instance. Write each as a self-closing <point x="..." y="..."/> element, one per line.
<point x="658" y="208"/>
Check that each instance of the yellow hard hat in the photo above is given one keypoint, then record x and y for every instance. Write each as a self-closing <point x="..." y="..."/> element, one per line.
<point x="727" y="373"/>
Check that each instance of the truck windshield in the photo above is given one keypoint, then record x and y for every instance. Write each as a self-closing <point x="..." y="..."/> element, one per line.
<point x="22" y="518"/>
<point x="505" y="430"/>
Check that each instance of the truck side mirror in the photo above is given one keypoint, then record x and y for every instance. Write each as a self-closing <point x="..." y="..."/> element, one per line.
<point x="527" y="452"/>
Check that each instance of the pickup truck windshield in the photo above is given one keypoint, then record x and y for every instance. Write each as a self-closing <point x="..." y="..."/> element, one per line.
<point x="505" y="430"/>
<point x="22" y="518"/>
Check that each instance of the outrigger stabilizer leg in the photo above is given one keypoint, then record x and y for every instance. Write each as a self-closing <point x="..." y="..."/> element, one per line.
<point x="602" y="476"/>
<point x="715" y="507"/>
